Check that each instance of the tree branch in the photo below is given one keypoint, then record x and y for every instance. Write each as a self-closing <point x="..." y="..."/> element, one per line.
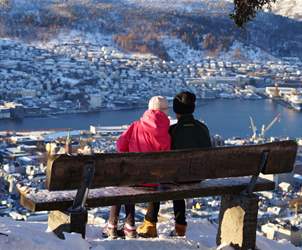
<point x="245" y="10"/>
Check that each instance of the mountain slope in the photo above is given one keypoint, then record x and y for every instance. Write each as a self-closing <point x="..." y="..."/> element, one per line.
<point x="143" y="26"/>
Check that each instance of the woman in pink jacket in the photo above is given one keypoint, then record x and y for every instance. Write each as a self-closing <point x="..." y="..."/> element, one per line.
<point x="148" y="134"/>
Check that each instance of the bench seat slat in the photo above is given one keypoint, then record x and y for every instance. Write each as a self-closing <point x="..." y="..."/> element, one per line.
<point x="60" y="200"/>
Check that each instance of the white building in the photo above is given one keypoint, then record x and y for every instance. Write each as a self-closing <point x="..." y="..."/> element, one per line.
<point x="95" y="101"/>
<point x="278" y="232"/>
<point x="4" y="112"/>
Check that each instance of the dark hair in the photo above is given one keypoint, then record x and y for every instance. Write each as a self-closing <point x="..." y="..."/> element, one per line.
<point x="184" y="103"/>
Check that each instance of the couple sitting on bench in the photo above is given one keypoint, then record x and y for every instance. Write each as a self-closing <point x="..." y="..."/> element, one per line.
<point x="153" y="133"/>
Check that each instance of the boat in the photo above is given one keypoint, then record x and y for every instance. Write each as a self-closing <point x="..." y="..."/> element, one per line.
<point x="296" y="106"/>
<point x="295" y="101"/>
<point x="227" y="95"/>
<point x="251" y="96"/>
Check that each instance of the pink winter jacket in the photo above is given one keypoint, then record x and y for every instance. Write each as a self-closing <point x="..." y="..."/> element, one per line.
<point x="149" y="134"/>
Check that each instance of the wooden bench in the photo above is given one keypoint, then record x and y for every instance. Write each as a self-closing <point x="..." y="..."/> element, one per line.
<point x="230" y="172"/>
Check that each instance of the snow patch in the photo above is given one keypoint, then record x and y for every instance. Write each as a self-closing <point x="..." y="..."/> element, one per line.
<point x="186" y="6"/>
<point x="180" y="52"/>
<point x="245" y="52"/>
<point x="201" y="235"/>
<point x="289" y="8"/>
<point x="33" y="236"/>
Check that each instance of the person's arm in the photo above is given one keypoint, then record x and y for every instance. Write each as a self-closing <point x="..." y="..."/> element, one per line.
<point x="122" y="144"/>
<point x="205" y="134"/>
<point x="209" y="142"/>
<point x="166" y="146"/>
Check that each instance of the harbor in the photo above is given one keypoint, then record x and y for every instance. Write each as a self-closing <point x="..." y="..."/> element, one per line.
<point x="226" y="117"/>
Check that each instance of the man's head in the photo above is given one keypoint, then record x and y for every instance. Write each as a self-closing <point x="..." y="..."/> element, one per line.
<point x="184" y="103"/>
<point x="159" y="103"/>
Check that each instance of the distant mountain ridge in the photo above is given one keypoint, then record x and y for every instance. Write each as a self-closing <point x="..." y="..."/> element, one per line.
<point x="144" y="25"/>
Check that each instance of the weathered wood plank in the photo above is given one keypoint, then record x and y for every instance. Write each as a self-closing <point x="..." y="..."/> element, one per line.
<point x="60" y="200"/>
<point x="65" y="172"/>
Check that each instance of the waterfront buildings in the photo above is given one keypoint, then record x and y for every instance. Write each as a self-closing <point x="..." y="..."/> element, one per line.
<point x="11" y="110"/>
<point x="66" y="77"/>
<point x="291" y="96"/>
<point x="24" y="156"/>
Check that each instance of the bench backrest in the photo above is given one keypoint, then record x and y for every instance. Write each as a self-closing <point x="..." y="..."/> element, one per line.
<point x="65" y="172"/>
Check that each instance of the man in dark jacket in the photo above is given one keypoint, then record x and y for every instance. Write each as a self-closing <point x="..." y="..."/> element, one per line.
<point x="185" y="134"/>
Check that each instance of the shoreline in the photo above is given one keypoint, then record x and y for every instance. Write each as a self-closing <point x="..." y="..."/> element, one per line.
<point x="227" y="117"/>
<point x="138" y="106"/>
<point x="108" y="109"/>
<point x="74" y="112"/>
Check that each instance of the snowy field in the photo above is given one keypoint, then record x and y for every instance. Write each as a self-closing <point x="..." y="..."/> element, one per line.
<point x="34" y="236"/>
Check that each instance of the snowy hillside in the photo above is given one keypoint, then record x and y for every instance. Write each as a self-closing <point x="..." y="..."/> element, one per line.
<point x="181" y="5"/>
<point x="210" y="6"/>
<point x="146" y="26"/>
<point x="33" y="236"/>
<point x="289" y="8"/>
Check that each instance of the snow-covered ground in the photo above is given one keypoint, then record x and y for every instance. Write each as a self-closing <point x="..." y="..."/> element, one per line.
<point x="102" y="43"/>
<point x="289" y="8"/>
<point x="248" y="53"/>
<point x="34" y="236"/>
<point x="179" y="51"/>
<point x="185" y="5"/>
<point x="176" y="5"/>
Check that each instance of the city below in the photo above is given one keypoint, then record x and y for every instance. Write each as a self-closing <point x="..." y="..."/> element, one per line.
<point x="77" y="77"/>
<point x="55" y="91"/>
<point x="23" y="164"/>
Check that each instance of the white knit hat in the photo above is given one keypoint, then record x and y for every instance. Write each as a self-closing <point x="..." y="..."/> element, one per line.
<point x="158" y="103"/>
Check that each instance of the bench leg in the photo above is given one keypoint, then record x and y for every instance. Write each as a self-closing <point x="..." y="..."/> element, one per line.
<point x="59" y="222"/>
<point x="238" y="221"/>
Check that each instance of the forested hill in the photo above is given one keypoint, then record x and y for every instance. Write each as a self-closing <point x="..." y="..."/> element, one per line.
<point x="145" y="25"/>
